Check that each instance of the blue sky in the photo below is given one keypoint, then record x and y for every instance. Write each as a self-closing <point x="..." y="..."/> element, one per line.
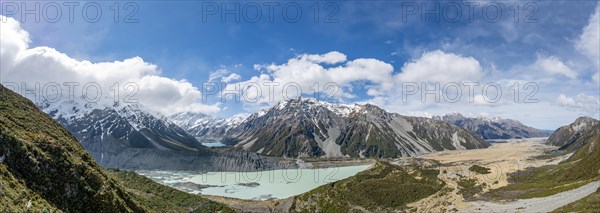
<point x="173" y="36"/>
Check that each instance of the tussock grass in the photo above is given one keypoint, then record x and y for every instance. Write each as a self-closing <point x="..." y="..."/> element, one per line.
<point x="383" y="187"/>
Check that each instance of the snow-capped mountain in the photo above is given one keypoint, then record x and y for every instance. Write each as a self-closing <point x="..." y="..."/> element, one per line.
<point x="205" y="127"/>
<point x="105" y="131"/>
<point x="131" y="136"/>
<point x="305" y="127"/>
<point x="493" y="128"/>
<point x="572" y="136"/>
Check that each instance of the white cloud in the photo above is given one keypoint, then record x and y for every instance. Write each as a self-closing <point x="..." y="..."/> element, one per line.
<point x="481" y="100"/>
<point x="333" y="57"/>
<point x="377" y="77"/>
<point x="554" y="65"/>
<point x="14" y="40"/>
<point x="596" y="77"/>
<point x="438" y="66"/>
<point x="221" y="74"/>
<point x="304" y="72"/>
<point x="589" y="41"/>
<point x="231" y="77"/>
<point x="217" y="74"/>
<point x="581" y="102"/>
<point x="22" y="64"/>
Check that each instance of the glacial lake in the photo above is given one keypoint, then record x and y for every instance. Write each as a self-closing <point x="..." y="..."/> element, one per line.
<point x="214" y="144"/>
<point x="259" y="185"/>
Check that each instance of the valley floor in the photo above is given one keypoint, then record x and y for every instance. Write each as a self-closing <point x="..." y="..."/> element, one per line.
<point x="455" y="168"/>
<point x="502" y="159"/>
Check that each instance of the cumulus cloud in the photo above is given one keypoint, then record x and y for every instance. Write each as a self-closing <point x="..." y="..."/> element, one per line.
<point x="481" y="100"/>
<point x="307" y="74"/>
<point x="554" y="65"/>
<point x="45" y="65"/>
<point x="589" y="41"/>
<point x="14" y="40"/>
<point x="581" y="102"/>
<point x="442" y="67"/>
<point x="333" y="57"/>
<point x="231" y="77"/>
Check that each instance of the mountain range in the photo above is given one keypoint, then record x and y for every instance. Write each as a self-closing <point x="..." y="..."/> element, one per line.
<point x="306" y="127"/>
<point x="494" y="128"/>
<point x="130" y="136"/>
<point x="204" y="127"/>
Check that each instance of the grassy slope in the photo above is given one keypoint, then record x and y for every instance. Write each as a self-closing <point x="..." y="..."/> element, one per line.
<point x="46" y="160"/>
<point x="15" y="196"/>
<point x="580" y="169"/>
<point x="43" y="167"/>
<point x="588" y="162"/>
<point x="161" y="198"/>
<point x="381" y="188"/>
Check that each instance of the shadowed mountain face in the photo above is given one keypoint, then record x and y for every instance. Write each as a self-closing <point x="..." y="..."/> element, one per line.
<point x="44" y="167"/>
<point x="574" y="135"/>
<point x="494" y="128"/>
<point x="108" y="129"/>
<point x="309" y="128"/>
<point x="128" y="136"/>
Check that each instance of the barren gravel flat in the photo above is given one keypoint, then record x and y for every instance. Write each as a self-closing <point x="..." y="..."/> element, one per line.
<point x="502" y="159"/>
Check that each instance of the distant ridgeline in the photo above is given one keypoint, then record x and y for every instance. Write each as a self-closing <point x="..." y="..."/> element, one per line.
<point x="494" y="128"/>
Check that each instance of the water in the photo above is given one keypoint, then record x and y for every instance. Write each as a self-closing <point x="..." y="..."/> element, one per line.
<point x="214" y="144"/>
<point x="258" y="185"/>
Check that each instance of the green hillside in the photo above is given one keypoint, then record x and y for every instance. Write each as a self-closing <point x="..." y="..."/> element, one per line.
<point x="385" y="187"/>
<point x="161" y="198"/>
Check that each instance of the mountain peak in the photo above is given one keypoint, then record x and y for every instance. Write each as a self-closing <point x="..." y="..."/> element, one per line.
<point x="584" y="119"/>
<point x="303" y="103"/>
<point x="456" y="114"/>
<point x="302" y="127"/>
<point x="567" y="136"/>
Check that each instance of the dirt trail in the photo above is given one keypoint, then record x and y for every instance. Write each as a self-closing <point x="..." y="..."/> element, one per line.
<point x="545" y="204"/>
